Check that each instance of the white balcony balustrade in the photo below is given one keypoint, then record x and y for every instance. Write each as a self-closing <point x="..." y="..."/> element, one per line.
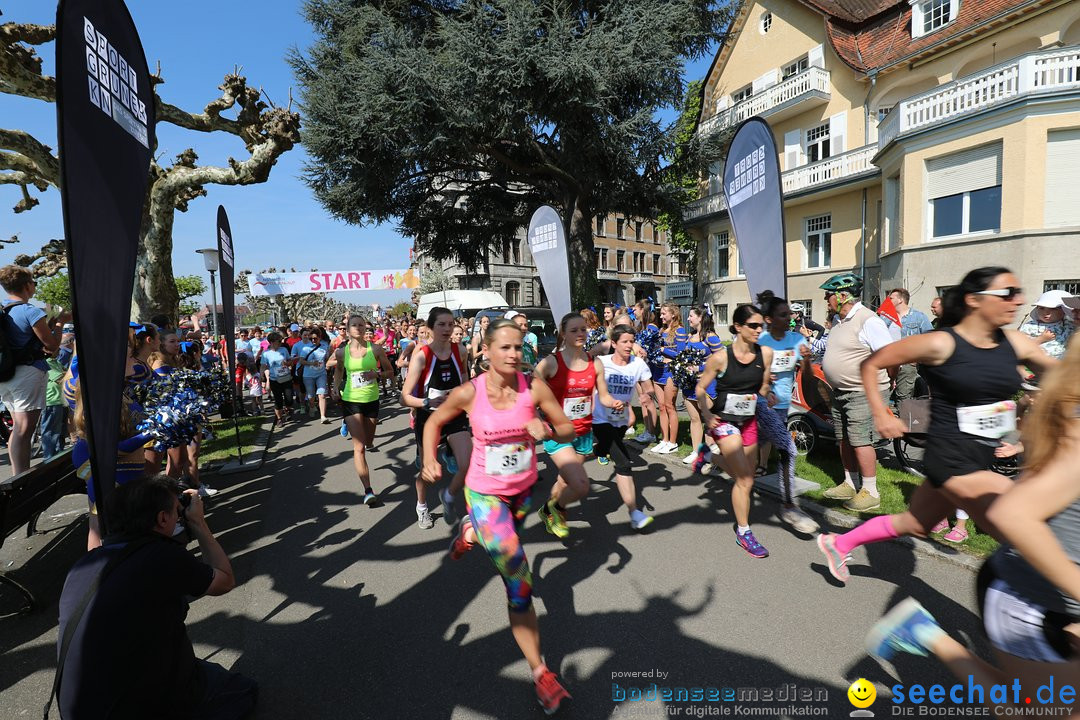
<point x="796" y="94"/>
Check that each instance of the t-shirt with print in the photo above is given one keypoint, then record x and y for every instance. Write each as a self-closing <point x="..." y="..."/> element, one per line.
<point x="621" y="381"/>
<point x="786" y="354"/>
<point x="19" y="327"/>
<point x="308" y="352"/>
<point x="274" y="361"/>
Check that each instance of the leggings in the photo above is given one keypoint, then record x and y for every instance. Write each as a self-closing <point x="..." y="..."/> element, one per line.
<point x="496" y="520"/>
<point x="282" y="392"/>
<point x="774" y="430"/>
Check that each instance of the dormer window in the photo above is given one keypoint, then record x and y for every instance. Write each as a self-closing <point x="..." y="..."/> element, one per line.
<point x="928" y="16"/>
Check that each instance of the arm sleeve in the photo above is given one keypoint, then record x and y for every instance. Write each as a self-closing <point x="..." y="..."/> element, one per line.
<point x="680" y="344"/>
<point x="133" y="443"/>
<point x="925" y="325"/>
<point x="713" y="344"/>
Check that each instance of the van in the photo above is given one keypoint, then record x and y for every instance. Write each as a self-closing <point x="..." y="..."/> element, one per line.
<point x="463" y="303"/>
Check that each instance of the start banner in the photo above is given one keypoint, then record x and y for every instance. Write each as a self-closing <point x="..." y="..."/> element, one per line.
<point x="292" y="283"/>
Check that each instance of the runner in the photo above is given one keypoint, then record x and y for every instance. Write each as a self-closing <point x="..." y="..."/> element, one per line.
<point x="571" y="375"/>
<point x="476" y="346"/>
<point x="434" y="371"/>
<point x="275" y="365"/>
<point x="502" y="472"/>
<point x="617" y="376"/>
<point x="361" y="365"/>
<point x="1029" y="590"/>
<point x="310" y="356"/>
<point x="741" y="383"/>
<point x="970" y="366"/>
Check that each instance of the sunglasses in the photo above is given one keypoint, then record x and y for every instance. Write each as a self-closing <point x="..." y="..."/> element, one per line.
<point x="1004" y="293"/>
<point x="754" y="326"/>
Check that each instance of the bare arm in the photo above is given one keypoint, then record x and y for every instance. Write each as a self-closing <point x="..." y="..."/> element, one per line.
<point x="766" y="383"/>
<point x="339" y="370"/>
<point x="545" y="400"/>
<point x="714" y="367"/>
<point x="1029" y="352"/>
<point x="931" y="348"/>
<point x="412" y="379"/>
<point x="546" y="368"/>
<point x="46" y="336"/>
<point x="212" y="554"/>
<point x="384" y="362"/>
<point x="458" y="401"/>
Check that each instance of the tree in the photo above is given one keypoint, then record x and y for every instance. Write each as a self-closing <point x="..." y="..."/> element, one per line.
<point x="300" y="307"/>
<point x="402" y="309"/>
<point x="55" y="291"/>
<point x="434" y="279"/>
<point x="189" y="286"/>
<point x="460" y="117"/>
<point x="266" y="131"/>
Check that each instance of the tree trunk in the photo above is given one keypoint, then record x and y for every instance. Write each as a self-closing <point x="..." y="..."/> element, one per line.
<point x="155" y="288"/>
<point x="584" y="288"/>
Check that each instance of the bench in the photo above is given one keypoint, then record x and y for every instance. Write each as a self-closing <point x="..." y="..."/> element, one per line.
<point x="25" y="496"/>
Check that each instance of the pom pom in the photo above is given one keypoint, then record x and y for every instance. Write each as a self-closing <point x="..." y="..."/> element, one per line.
<point x="686" y="369"/>
<point x="178" y="405"/>
<point x="595" y="337"/>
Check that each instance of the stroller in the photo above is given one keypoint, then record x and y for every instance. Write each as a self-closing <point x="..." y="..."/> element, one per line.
<point x="809" y="417"/>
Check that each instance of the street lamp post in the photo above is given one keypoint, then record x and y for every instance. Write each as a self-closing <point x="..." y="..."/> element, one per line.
<point x="210" y="260"/>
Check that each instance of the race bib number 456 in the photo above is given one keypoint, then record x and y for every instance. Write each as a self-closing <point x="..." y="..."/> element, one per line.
<point x="507" y="459"/>
<point x="993" y="421"/>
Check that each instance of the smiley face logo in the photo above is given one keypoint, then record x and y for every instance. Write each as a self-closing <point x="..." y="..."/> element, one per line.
<point x="862" y="693"/>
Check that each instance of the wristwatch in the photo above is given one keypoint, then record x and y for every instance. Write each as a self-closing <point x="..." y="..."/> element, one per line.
<point x="427" y="403"/>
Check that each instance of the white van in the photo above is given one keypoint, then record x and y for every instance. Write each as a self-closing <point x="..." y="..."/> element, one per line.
<point x="463" y="303"/>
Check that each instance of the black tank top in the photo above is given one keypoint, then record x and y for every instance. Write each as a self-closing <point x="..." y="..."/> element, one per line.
<point x="738" y="379"/>
<point x="971" y="376"/>
<point x="442" y="376"/>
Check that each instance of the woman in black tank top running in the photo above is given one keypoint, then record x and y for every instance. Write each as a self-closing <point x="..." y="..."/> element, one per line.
<point x="971" y="367"/>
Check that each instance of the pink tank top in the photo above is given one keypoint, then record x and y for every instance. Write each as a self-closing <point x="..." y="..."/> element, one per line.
<point x="503" y="458"/>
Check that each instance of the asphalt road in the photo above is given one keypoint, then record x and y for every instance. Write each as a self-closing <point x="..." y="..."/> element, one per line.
<point x="346" y="611"/>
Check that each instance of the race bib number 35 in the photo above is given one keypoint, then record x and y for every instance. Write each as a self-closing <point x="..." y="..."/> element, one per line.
<point x="577" y="408"/>
<point x="740" y="405"/>
<point x="783" y="361"/>
<point x="992" y="421"/>
<point x="507" y="459"/>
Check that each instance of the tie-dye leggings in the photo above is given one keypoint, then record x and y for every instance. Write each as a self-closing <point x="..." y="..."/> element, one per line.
<point x="496" y="521"/>
<point x="773" y="429"/>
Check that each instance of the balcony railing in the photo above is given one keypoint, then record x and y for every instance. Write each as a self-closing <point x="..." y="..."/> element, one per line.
<point x="1038" y="73"/>
<point x="841" y="167"/>
<point x="708" y="205"/>
<point x="643" y="278"/>
<point x="812" y="83"/>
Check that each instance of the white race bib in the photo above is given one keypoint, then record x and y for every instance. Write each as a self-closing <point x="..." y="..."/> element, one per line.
<point x="783" y="361"/>
<point x="507" y="459"/>
<point x="740" y="405"/>
<point x="436" y="393"/>
<point x="617" y="416"/>
<point x="281" y="373"/>
<point x="992" y="421"/>
<point x="577" y="408"/>
<point x="357" y="380"/>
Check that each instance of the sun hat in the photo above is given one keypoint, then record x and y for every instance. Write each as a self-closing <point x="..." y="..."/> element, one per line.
<point x="1052" y="299"/>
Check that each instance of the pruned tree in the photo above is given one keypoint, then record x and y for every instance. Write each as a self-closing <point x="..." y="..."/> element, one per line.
<point x="459" y="118"/>
<point x="299" y="307"/>
<point x="435" y="279"/>
<point x="266" y="132"/>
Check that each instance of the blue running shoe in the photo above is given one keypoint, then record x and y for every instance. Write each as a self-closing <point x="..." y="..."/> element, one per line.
<point x="704" y="457"/>
<point x="907" y="628"/>
<point x="344" y="430"/>
<point x="603" y="459"/>
<point x="750" y="544"/>
<point x="448" y="461"/>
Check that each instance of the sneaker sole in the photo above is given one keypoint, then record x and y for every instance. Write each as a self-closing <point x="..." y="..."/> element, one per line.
<point x="371" y="502"/>
<point x="756" y="557"/>
<point x="845" y="498"/>
<point x="833" y="570"/>
<point x="898" y="615"/>
<point x="644" y="524"/>
<point x="955" y="541"/>
<point x="862" y="509"/>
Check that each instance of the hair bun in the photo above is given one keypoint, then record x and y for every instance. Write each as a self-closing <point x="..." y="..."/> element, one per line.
<point x="731" y="329"/>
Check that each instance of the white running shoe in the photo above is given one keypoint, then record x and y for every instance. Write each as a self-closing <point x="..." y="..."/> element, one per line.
<point x="207" y="491"/>
<point x="639" y="520"/>
<point x="799" y="520"/>
<point x="668" y="448"/>
<point x="658" y="448"/>
<point x="689" y="459"/>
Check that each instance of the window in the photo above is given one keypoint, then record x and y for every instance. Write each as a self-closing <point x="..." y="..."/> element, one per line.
<point x="506" y="252"/>
<point x="637" y="232"/>
<point x="620" y="260"/>
<point x="795" y="68"/>
<point x="723" y="255"/>
<point x="808" y="308"/>
<point x="817" y="143"/>
<point x="930" y="15"/>
<point x="742" y="94"/>
<point x="620" y="228"/>
<point x="639" y="262"/>
<point x="513" y="294"/>
<point x="1070" y="286"/>
<point x="964" y="191"/>
<point x="655" y="234"/>
<point x="600" y="225"/>
<point x="720" y="320"/>
<point x="603" y="258"/>
<point x="819" y="241"/>
<point x="656" y="265"/>
<point x="515" y="247"/>
<point x="596" y="258"/>
<point x="766" y="22"/>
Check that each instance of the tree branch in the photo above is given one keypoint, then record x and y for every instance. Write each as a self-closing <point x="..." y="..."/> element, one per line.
<point x="234" y="92"/>
<point x="20" y="66"/>
<point x="30" y="155"/>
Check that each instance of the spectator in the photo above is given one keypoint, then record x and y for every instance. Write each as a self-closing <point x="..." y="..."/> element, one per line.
<point x="857" y="333"/>
<point x="29" y="339"/>
<point x="129" y="655"/>
<point x="1049" y="323"/>
<point x="935" y="310"/>
<point x="912" y="322"/>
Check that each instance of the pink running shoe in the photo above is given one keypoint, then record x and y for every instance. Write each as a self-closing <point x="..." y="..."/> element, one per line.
<point x="958" y="535"/>
<point x="550" y="693"/>
<point x="940" y="527"/>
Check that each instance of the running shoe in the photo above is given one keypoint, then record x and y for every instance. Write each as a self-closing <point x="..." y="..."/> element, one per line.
<point x="826" y="542"/>
<point x="662" y="448"/>
<point x="863" y="501"/>
<point x="448" y="460"/>
<point x="459" y="546"/>
<point x="704" y="457"/>
<point x="344" y="430"/>
<point x="907" y="628"/>
<point x="449" y="513"/>
<point x="639" y="520"/>
<point x="549" y="693"/>
<point x="669" y="447"/>
<point x="958" y="535"/>
<point x="644" y="438"/>
<point x="369" y="498"/>
<point x="603" y="459"/>
<point x="799" y="520"/>
<point x="691" y="458"/>
<point x="843" y="491"/>
<point x="424" y="519"/>
<point x="554" y="520"/>
<point x="207" y="491"/>
<point x="325" y="421"/>
<point x="749" y="543"/>
<point x="940" y="527"/>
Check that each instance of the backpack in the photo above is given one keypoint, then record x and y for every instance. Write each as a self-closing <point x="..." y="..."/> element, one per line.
<point x="12" y="357"/>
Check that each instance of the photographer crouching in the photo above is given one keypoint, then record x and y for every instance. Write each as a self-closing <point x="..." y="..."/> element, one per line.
<point x="124" y="651"/>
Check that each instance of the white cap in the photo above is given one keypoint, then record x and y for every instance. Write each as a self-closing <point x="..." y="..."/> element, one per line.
<point x="511" y="314"/>
<point x="1051" y="299"/>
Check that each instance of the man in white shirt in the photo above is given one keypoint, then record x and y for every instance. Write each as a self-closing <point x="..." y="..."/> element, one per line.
<point x="856" y="334"/>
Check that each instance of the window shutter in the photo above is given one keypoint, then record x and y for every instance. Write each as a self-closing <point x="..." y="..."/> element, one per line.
<point x="965" y="171"/>
<point x="765" y="81"/>
<point x="817" y="56"/>
<point x="838" y="133"/>
<point x="1062" y="178"/>
<point x="792" y="149"/>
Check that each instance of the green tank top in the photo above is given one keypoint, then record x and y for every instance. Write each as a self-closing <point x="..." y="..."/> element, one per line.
<point x="356" y="389"/>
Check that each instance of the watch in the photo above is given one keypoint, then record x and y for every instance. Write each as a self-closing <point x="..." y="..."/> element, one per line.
<point x="427" y="403"/>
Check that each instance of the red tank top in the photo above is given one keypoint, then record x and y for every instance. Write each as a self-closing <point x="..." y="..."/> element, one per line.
<point x="574" y="391"/>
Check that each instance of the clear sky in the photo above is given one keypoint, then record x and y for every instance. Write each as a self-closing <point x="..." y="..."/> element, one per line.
<point x="275" y="224"/>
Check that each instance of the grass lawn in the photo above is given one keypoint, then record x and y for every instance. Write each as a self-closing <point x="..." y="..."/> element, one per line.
<point x="823" y="467"/>
<point x="223" y="447"/>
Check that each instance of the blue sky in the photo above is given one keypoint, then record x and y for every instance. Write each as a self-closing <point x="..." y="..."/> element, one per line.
<point x="278" y="223"/>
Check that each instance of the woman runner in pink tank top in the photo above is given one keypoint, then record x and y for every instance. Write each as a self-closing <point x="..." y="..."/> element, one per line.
<point x="502" y="471"/>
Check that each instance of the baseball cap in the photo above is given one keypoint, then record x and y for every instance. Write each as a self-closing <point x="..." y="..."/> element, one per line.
<point x="294" y="327"/>
<point x="511" y="314"/>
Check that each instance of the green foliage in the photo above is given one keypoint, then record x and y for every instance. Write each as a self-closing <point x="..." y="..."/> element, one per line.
<point x="402" y="309"/>
<point x="458" y="118"/>
<point x="435" y="279"/>
<point x="187" y="287"/>
<point x="55" y="291"/>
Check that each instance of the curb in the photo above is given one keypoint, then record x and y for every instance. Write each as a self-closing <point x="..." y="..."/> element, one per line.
<point x="845" y="521"/>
